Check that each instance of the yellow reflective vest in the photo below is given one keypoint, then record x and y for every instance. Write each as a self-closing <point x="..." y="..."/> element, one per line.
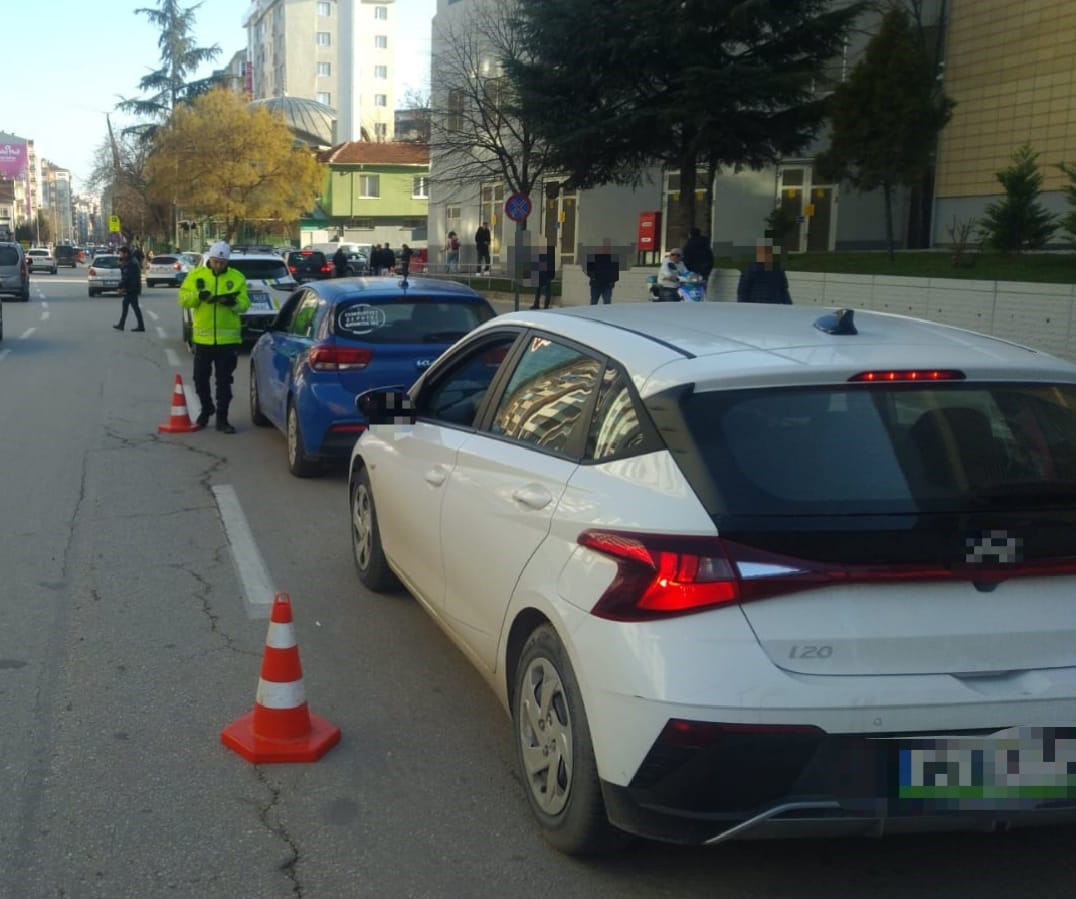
<point x="211" y="322"/>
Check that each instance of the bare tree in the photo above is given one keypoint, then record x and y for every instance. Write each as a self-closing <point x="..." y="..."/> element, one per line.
<point x="478" y="129"/>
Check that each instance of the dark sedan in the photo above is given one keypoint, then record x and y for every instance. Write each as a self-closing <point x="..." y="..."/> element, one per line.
<point x="309" y="265"/>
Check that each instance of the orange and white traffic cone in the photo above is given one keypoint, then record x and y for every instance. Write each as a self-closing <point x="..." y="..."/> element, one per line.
<point x="281" y="728"/>
<point x="179" y="422"/>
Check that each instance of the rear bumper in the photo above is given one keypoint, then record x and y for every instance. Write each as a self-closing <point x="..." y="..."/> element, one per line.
<point x="750" y="786"/>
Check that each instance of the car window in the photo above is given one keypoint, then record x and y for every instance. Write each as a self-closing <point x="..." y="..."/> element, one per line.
<point x="260" y="269"/>
<point x="407" y="320"/>
<point x="881" y="450"/>
<point x="547" y="395"/>
<point x="618" y="427"/>
<point x="9" y="256"/>
<point x="106" y="262"/>
<point x="456" y="394"/>
<point x="302" y="323"/>
<point x="163" y="260"/>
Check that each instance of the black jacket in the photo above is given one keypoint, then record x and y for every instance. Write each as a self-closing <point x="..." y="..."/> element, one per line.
<point x="759" y="284"/>
<point x="698" y="256"/>
<point x="131" y="277"/>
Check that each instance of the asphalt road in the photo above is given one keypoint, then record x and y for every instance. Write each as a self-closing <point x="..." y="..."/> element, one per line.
<point x="127" y="644"/>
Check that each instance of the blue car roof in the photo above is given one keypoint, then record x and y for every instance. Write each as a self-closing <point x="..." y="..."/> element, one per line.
<point x="390" y="287"/>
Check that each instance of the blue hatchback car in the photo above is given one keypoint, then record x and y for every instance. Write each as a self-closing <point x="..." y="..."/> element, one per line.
<point x="335" y="339"/>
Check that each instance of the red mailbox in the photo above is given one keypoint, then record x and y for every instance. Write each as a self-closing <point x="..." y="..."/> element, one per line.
<point x="649" y="235"/>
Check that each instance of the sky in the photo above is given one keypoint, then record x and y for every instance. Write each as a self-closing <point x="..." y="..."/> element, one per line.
<point x="76" y="60"/>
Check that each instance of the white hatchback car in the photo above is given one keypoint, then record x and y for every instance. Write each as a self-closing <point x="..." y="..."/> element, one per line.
<point x="745" y="570"/>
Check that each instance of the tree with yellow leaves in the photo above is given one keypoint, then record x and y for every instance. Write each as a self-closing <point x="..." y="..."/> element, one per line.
<point x="219" y="159"/>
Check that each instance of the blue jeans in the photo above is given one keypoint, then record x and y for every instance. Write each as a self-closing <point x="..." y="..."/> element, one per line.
<point x="605" y="291"/>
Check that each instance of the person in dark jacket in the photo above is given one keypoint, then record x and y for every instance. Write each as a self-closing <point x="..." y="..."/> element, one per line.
<point x="405" y="260"/>
<point x="482" y="241"/>
<point x="698" y="255"/>
<point x="388" y="260"/>
<point x="340" y="263"/>
<point x="764" y="281"/>
<point x="546" y="271"/>
<point x="131" y="288"/>
<point x="603" y="270"/>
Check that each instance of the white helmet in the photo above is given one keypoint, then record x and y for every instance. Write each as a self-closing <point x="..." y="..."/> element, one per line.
<point x="220" y="250"/>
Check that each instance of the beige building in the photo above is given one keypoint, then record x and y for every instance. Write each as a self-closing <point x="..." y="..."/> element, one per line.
<point x="1011" y="68"/>
<point x="339" y="53"/>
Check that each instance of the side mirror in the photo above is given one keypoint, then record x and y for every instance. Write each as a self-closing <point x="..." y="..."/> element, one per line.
<point x="386" y="406"/>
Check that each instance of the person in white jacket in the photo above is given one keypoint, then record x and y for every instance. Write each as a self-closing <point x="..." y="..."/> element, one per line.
<point x="669" y="275"/>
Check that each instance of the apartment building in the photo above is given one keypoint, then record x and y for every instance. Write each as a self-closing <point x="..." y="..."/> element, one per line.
<point x="338" y="53"/>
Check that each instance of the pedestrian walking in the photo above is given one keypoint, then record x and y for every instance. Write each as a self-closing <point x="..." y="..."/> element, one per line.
<point x="699" y="255"/>
<point x="603" y="270"/>
<point x="405" y="260"/>
<point x="482" y="240"/>
<point x="340" y="263"/>
<point x="388" y="260"/>
<point x="217" y="296"/>
<point x="131" y="288"/>
<point x="764" y="281"/>
<point x="547" y="270"/>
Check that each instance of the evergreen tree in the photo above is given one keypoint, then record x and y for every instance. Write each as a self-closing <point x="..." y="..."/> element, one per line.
<point x="168" y="86"/>
<point x="1019" y="222"/>
<point x="886" y="117"/>
<point x="689" y="85"/>
<point x="1069" y="221"/>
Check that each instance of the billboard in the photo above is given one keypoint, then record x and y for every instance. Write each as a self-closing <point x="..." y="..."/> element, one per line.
<point x="13" y="160"/>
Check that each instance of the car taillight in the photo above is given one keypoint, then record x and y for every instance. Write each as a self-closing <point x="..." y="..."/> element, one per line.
<point x="92" y="271"/>
<point x="175" y="265"/>
<point x="293" y="269"/>
<point x="326" y="268"/>
<point x="913" y="374"/>
<point x="663" y="575"/>
<point x="337" y="358"/>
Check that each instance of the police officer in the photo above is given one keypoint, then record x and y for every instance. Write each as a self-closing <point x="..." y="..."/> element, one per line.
<point x="217" y="295"/>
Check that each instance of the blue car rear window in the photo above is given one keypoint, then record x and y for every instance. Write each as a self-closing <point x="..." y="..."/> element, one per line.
<point x="414" y="320"/>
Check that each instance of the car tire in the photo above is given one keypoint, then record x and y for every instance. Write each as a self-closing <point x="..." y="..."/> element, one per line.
<point x="256" y="414"/>
<point x="374" y="571"/>
<point x="299" y="463"/>
<point x="554" y="750"/>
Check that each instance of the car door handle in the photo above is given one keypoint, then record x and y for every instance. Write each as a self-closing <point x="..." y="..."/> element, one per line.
<point x="436" y="476"/>
<point x="532" y="496"/>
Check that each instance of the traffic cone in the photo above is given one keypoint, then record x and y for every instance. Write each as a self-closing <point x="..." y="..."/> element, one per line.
<point x="281" y="728"/>
<point x="179" y="422"/>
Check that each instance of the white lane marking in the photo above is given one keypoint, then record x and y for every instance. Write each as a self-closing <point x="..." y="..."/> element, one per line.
<point x="152" y="314"/>
<point x="172" y="358"/>
<point x="258" y="590"/>
<point x="44" y="304"/>
<point x="161" y="333"/>
<point x="45" y="315"/>
<point x="26" y="334"/>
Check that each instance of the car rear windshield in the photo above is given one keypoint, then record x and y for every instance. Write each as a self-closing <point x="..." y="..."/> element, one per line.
<point x="889" y="449"/>
<point x="260" y="269"/>
<point x="106" y="262"/>
<point x="9" y="256"/>
<point x="163" y="260"/>
<point x="410" y="320"/>
<point x="307" y="258"/>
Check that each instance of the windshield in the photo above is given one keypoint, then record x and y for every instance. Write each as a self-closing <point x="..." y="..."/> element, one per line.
<point x="877" y="450"/>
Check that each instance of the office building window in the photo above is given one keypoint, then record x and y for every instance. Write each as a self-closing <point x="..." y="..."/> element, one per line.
<point x="381" y="41"/>
<point x="381" y="72"/>
<point x="325" y="97"/>
<point x="381" y="131"/>
<point x="369" y="187"/>
<point x="420" y="188"/>
<point x="325" y="69"/>
<point x="324" y="8"/>
<point x="324" y="39"/>
<point x="381" y="12"/>
<point x="381" y="100"/>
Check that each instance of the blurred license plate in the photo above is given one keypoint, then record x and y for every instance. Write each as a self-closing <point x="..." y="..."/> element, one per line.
<point x="1018" y="765"/>
<point x="259" y="300"/>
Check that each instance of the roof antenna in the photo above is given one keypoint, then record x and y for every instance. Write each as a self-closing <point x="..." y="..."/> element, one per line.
<point x="839" y="322"/>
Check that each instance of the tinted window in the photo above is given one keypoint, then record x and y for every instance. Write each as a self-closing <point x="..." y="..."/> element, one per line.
<point x="307" y="259"/>
<point x="888" y="449"/>
<point x="9" y="256"/>
<point x="260" y="269"/>
<point x="163" y="260"/>
<point x="106" y="262"/>
<point x="456" y="394"/>
<point x="547" y="395"/>
<point x="410" y="320"/>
